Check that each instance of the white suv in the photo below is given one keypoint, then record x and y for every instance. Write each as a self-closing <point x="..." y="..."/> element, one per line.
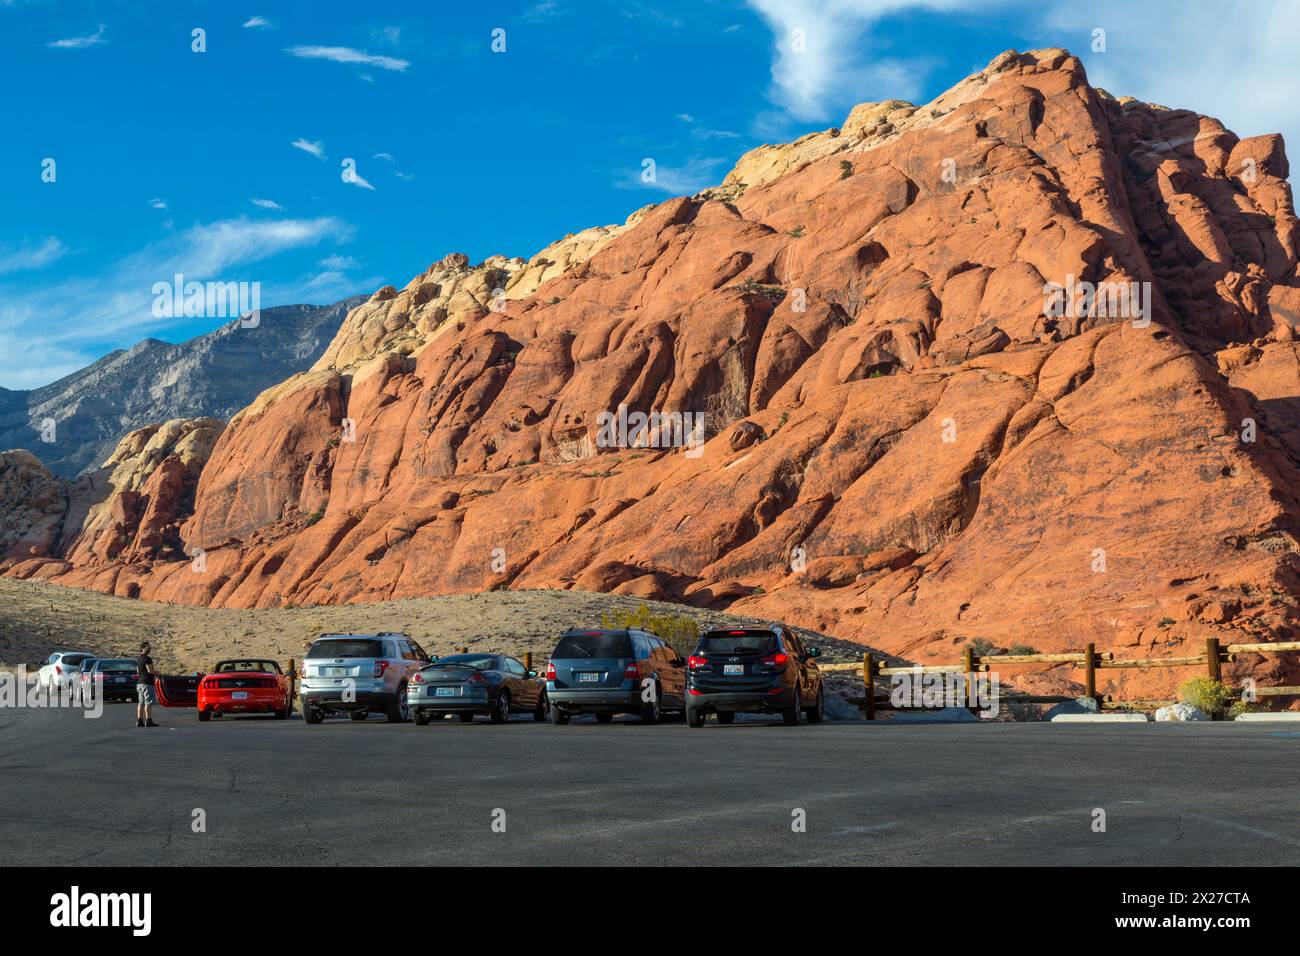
<point x="62" y="669"/>
<point x="359" y="674"/>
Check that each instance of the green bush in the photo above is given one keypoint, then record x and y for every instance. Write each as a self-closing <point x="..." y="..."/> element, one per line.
<point x="678" y="630"/>
<point x="981" y="646"/>
<point x="1021" y="649"/>
<point x="1213" y="697"/>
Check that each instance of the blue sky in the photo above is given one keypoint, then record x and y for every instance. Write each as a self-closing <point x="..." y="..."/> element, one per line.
<point x="226" y="164"/>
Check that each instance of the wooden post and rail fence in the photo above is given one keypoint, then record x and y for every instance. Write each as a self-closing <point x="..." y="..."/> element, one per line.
<point x="1215" y="656"/>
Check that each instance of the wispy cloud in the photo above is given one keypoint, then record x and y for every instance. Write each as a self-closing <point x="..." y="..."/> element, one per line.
<point x="258" y="23"/>
<point x="344" y="54"/>
<point x="317" y="149"/>
<point x="158" y="203"/>
<point x="338" y="263"/>
<point x="695" y="174"/>
<point x="267" y="204"/>
<point x="28" y="256"/>
<point x="80" y="43"/>
<point x="354" y="178"/>
<point x="72" y="322"/>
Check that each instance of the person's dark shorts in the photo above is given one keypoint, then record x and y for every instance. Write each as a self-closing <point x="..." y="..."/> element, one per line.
<point x="144" y="694"/>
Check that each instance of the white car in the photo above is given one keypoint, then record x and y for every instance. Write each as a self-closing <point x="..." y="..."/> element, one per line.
<point x="63" y="669"/>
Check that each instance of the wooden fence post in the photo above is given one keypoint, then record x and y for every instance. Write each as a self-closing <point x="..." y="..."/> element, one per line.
<point x="869" y="685"/>
<point x="1212" y="658"/>
<point x="1090" y="674"/>
<point x="528" y="660"/>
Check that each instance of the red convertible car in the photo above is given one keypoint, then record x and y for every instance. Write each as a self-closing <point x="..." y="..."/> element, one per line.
<point x="244" y="687"/>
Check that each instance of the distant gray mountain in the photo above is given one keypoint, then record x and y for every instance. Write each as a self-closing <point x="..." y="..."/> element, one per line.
<point x="213" y="375"/>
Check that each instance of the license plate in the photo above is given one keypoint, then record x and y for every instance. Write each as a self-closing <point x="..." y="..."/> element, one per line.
<point x="239" y="695"/>
<point x="733" y="668"/>
<point x="588" y="678"/>
<point x="446" y="692"/>
<point x="119" y="680"/>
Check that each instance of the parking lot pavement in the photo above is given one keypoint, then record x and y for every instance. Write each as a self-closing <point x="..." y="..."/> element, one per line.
<point x="102" y="791"/>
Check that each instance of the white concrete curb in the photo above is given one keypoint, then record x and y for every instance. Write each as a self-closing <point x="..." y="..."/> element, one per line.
<point x="1101" y="719"/>
<point x="1286" y="716"/>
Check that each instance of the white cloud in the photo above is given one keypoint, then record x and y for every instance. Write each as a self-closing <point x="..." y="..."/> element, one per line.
<point x="317" y="149"/>
<point x="58" y="328"/>
<point x="1234" y="61"/>
<point x="354" y="178"/>
<point x="338" y="263"/>
<point x="386" y="157"/>
<point x="403" y="176"/>
<point x="80" y="43"/>
<point x="27" y="256"/>
<point x="267" y="204"/>
<point x="343" y="54"/>
<point x="158" y="203"/>
<point x="258" y="23"/>
<point x="697" y="173"/>
<point x="686" y="117"/>
<point x="390" y="35"/>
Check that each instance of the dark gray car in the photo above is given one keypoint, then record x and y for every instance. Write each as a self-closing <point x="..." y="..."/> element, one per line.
<point x="607" y="672"/>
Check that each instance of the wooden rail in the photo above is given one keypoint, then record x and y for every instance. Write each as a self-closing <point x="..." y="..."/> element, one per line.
<point x="1090" y="660"/>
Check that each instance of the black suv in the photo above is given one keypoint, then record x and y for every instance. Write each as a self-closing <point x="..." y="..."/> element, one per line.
<point x="760" y="669"/>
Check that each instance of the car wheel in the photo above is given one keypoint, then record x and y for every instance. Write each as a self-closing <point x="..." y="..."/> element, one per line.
<point x="817" y="712"/>
<point x="420" y="717"/>
<point x="651" y="712"/>
<point x="205" y="716"/>
<point x="310" y="715"/>
<point x="558" y="716"/>
<point x="726" y="718"/>
<point x="501" y="712"/>
<point x="694" y="717"/>
<point x="543" y="705"/>
<point x="791" y="714"/>
<point x="604" y="718"/>
<point x="399" y="711"/>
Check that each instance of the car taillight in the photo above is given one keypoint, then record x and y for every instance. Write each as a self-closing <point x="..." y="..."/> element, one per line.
<point x="380" y="667"/>
<point x="58" y="669"/>
<point x="693" y="662"/>
<point x="775" y="660"/>
<point x="631" y="671"/>
<point x="477" y="678"/>
<point x="417" y="679"/>
<point x="550" y="670"/>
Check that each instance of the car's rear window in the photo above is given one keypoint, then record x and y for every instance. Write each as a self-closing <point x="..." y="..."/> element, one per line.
<point x="594" y="644"/>
<point x="483" y="662"/>
<point x="76" y="660"/>
<point x="359" y="647"/>
<point x="744" y="642"/>
<point x="122" y="665"/>
<point x="229" y="667"/>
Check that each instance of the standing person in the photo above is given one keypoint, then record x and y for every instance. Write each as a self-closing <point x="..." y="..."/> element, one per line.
<point x="144" y="688"/>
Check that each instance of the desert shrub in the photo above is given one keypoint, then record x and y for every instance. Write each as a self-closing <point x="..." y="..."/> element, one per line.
<point x="1021" y="649"/>
<point x="846" y="169"/>
<point x="981" y="646"/>
<point x="677" y="630"/>
<point x="1212" y="697"/>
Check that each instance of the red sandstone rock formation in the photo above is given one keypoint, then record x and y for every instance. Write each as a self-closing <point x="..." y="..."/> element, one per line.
<point x="906" y="443"/>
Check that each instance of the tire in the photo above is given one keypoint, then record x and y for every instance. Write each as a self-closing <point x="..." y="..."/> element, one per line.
<point x="540" y="714"/>
<point x="399" y="711"/>
<point x="652" y="712"/>
<point x="466" y="717"/>
<point x="604" y="718"/>
<point x="420" y="717"/>
<point x="725" y="718"/>
<point x="791" y="714"/>
<point x="310" y="715"/>
<point x="558" y="717"/>
<point x="358" y="715"/>
<point x="204" y="716"/>
<point x="501" y="712"/>
<point x="694" y="717"/>
<point x="817" y="712"/>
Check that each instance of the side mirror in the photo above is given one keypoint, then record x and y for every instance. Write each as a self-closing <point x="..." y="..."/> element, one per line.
<point x="814" y="652"/>
<point x="532" y="673"/>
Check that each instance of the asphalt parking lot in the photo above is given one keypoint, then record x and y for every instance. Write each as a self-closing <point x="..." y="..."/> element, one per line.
<point x="101" y="791"/>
